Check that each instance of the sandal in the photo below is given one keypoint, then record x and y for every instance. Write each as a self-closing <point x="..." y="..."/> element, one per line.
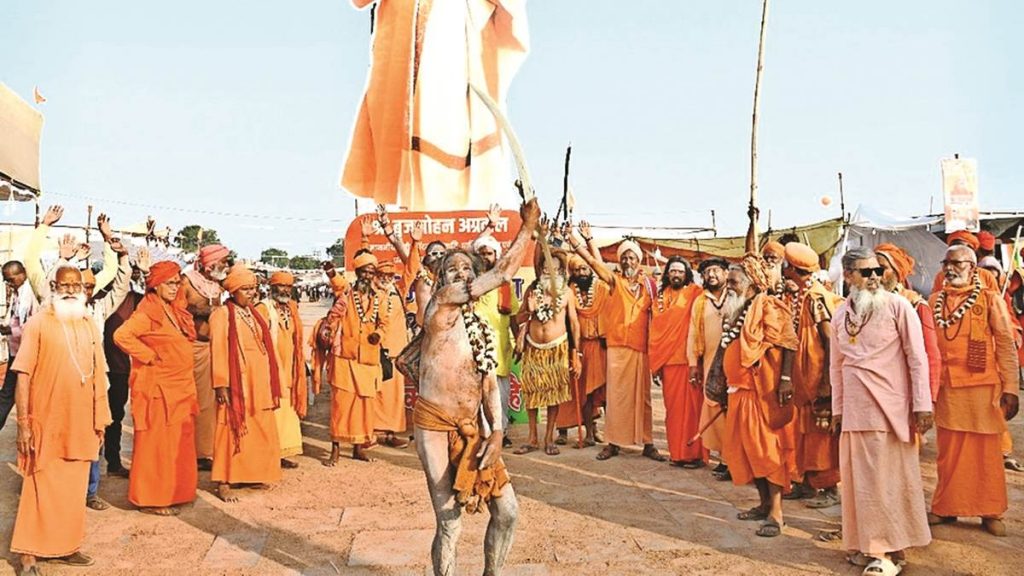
<point x="722" y="476"/>
<point x="96" y="503"/>
<point x="882" y="567"/>
<point x="32" y="570"/>
<point x="859" y="559"/>
<point x="562" y="439"/>
<point x="769" y="529"/>
<point x="525" y="449"/>
<point x="1011" y="464"/>
<point x="552" y="450"/>
<point x="826" y="499"/>
<point x="652" y="453"/>
<point x="755" y="513"/>
<point x="609" y="451"/>
<point x="159" y="511"/>
<point x="76" y="559"/>
<point x="935" y="519"/>
<point x="798" y="492"/>
<point x="833" y="536"/>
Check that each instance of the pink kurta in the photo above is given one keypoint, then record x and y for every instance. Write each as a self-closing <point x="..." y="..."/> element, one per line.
<point x="879" y="378"/>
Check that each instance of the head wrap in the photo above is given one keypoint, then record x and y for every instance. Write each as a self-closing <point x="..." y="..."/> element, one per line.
<point x="239" y="277"/>
<point x="161" y="272"/>
<point x="575" y="261"/>
<point x="964" y="237"/>
<point x="801" y="256"/>
<point x="900" y="261"/>
<point x="630" y="246"/>
<point x="756" y="270"/>
<point x="991" y="263"/>
<point x="88" y="277"/>
<point x="365" y="259"/>
<point x="713" y="261"/>
<point x="489" y="241"/>
<point x="338" y="285"/>
<point x="774" y="247"/>
<point x="212" y="253"/>
<point x="386" y="267"/>
<point x="282" y="278"/>
<point x="986" y="241"/>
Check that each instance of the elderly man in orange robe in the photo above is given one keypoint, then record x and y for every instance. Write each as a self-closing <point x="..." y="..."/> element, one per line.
<point x="977" y="395"/>
<point x="817" y="447"/>
<point x="158" y="337"/>
<point x="204" y="295"/>
<point x="281" y="314"/>
<point x="702" y="342"/>
<point x="755" y="358"/>
<point x="965" y="238"/>
<point x="356" y="373"/>
<point x="62" y="406"/>
<point x="629" y="414"/>
<point x="670" y="327"/>
<point x="247" y="384"/>
<point x="389" y="405"/>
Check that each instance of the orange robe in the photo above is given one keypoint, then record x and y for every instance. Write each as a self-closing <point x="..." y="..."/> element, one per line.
<point x="752" y="364"/>
<point x="389" y="405"/>
<point x="164" y="407"/>
<point x="670" y="327"/>
<point x="817" y="450"/>
<point x="356" y="373"/>
<point x="594" y="372"/>
<point x="68" y="412"/>
<point x="286" y="333"/>
<point x="969" y="422"/>
<point x="702" y="342"/>
<point x="258" y="460"/>
<point x="629" y="414"/>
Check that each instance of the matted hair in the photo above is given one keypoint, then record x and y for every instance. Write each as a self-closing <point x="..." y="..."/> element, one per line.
<point x="855" y="254"/>
<point x="478" y="265"/>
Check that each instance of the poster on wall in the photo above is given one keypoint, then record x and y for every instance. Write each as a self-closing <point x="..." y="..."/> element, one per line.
<point x="960" y="191"/>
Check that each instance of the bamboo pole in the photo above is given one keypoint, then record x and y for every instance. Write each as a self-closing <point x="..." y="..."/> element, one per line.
<point x="752" y="210"/>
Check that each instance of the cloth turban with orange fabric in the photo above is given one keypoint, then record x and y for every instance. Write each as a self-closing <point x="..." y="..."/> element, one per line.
<point x="901" y="262"/>
<point x="282" y="278"/>
<point x="775" y="248"/>
<point x="212" y="253"/>
<point x="365" y="259"/>
<point x="802" y="256"/>
<point x="238" y="278"/>
<point x="161" y="272"/>
<point x="756" y="270"/>
<point x="986" y="241"/>
<point x="963" y="237"/>
<point x="386" y="267"/>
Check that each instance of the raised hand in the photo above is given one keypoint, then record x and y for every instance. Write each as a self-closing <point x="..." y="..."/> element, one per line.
<point x="585" y="230"/>
<point x="103" y="223"/>
<point x="53" y="215"/>
<point x="118" y="247"/>
<point x="494" y="215"/>
<point x="142" y="260"/>
<point x="83" y="251"/>
<point x="417" y="232"/>
<point x="67" y="246"/>
<point x="368" y="226"/>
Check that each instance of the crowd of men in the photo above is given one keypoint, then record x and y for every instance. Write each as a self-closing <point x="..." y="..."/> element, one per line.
<point x="765" y="370"/>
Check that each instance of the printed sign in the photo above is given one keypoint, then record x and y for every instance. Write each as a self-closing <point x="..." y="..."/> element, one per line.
<point x="960" y="189"/>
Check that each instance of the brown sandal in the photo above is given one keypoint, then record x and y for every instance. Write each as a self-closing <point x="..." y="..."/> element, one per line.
<point x="609" y="451"/>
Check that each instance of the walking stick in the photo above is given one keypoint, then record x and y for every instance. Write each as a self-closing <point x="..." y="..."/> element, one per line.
<point x="705" y="427"/>
<point x="579" y="411"/>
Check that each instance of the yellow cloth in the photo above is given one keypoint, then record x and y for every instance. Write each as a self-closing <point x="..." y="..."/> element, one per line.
<point x="486" y="308"/>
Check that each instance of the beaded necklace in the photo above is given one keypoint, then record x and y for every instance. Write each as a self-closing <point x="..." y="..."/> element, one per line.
<point x="545" y="310"/>
<point x="249" y="321"/>
<point x="730" y="331"/>
<point x="74" y="357"/>
<point x="945" y="322"/>
<point x="588" y="300"/>
<point x="361" y="312"/>
<point x="853" y="329"/>
<point x="481" y="340"/>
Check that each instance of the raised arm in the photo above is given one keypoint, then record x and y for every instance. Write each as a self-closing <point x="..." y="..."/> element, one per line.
<point x="110" y="256"/>
<point x="31" y="259"/>
<point x="493" y="214"/>
<point x="588" y="237"/>
<point x="596" y="265"/>
<point x="389" y="232"/>
<point x="122" y="279"/>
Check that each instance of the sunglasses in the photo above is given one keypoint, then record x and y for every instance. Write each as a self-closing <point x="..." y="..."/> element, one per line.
<point x="869" y="272"/>
<point x="955" y="263"/>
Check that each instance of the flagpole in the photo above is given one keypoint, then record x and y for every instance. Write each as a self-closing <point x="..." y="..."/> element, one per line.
<point x="752" y="210"/>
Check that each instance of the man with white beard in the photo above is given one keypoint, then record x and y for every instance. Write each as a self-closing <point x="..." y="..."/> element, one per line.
<point x="881" y="400"/>
<point x="62" y="412"/>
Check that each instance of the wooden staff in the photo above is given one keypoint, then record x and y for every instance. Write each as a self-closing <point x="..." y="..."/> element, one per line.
<point x="705" y="427"/>
<point x="752" y="211"/>
<point x="88" y="226"/>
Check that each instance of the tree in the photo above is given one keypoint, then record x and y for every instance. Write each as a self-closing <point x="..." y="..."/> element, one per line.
<point x="274" y="257"/>
<point x="303" y="263"/>
<point x="188" y="238"/>
<point x="337" y="252"/>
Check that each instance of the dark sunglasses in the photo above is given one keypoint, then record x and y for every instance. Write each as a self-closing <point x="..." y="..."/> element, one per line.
<point x="869" y="272"/>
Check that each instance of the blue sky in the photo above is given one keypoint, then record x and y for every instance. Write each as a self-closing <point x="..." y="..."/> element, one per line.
<point x="187" y="109"/>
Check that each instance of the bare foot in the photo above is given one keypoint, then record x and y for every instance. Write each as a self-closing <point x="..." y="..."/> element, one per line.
<point x="160" y="511"/>
<point x="259" y="486"/>
<point x="332" y="460"/>
<point x="289" y="464"/>
<point x="224" y="493"/>
<point x="359" y="452"/>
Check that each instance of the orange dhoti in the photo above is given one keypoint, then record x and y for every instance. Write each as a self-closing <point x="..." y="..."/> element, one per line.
<point x="683" y="403"/>
<point x="389" y="405"/>
<point x="352" y="401"/>
<point x="164" y="460"/>
<point x="51" y="512"/>
<point x="206" y="420"/>
<point x="591" y="383"/>
<point x="754" y="450"/>
<point x="971" y="480"/>
<point x="629" y="416"/>
<point x="818" y="450"/>
<point x="259" y="459"/>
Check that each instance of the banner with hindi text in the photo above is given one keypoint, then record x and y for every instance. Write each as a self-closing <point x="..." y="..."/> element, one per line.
<point x="960" y="191"/>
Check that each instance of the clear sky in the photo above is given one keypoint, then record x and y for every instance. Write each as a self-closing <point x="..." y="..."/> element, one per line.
<point x="244" y="106"/>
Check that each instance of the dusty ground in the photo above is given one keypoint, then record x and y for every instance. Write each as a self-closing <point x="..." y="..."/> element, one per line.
<point x="628" y="515"/>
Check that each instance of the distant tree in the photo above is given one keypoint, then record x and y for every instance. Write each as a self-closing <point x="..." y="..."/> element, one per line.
<point x="303" y="263"/>
<point x="274" y="257"/>
<point x="337" y="252"/>
<point x="188" y="238"/>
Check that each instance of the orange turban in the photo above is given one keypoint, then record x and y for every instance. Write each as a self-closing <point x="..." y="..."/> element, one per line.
<point x="282" y="278"/>
<point x="575" y="261"/>
<point x="239" y="277"/>
<point x="386" y="267"/>
<point x="364" y="259"/>
<point x="900" y="261"/>
<point x="774" y="247"/>
<point x="801" y="256"/>
<point x="338" y="285"/>
<point x="756" y="269"/>
<point x="964" y="237"/>
<point x="212" y="253"/>
<point x="88" y="277"/>
<point x="162" y="272"/>
<point x="986" y="241"/>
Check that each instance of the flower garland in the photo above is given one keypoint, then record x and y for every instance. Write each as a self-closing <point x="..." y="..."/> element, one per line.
<point x="545" y="310"/>
<point x="481" y="340"/>
<point x="940" y="306"/>
<point x="588" y="301"/>
<point x="362" y="313"/>
<point x="731" y="332"/>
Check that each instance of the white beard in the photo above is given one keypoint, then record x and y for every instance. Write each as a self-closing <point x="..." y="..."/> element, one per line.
<point x="866" y="302"/>
<point x="218" y="275"/>
<point x="69" y="307"/>
<point x="545" y="281"/>
<point x="732" y="307"/>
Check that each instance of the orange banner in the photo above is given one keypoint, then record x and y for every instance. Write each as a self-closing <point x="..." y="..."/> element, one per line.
<point x="451" y="228"/>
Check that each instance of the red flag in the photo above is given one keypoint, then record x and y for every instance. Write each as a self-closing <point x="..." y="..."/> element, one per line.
<point x="39" y="97"/>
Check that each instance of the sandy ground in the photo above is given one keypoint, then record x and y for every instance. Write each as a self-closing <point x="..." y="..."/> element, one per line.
<point x="628" y="515"/>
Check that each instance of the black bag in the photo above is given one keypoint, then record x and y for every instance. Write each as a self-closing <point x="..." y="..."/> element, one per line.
<point x="715" y="386"/>
<point x="387" y="367"/>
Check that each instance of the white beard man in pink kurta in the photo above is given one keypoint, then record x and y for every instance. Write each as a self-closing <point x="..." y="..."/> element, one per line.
<point x="881" y="401"/>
